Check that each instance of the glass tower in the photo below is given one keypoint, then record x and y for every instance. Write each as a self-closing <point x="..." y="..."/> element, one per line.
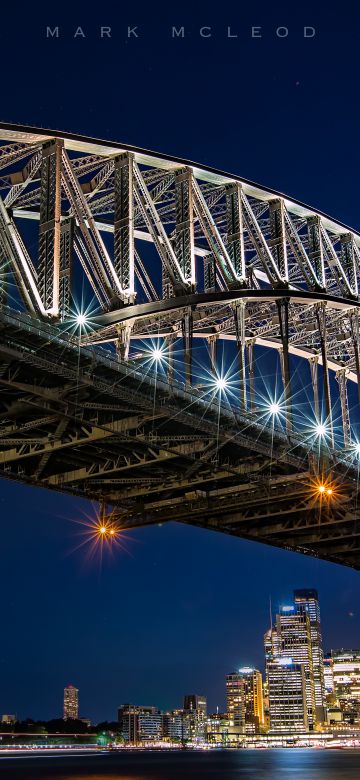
<point x="307" y="602"/>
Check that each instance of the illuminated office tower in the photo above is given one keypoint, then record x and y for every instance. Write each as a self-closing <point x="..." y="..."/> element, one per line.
<point x="71" y="703"/>
<point x="244" y="698"/>
<point x="294" y="632"/>
<point x="195" y="710"/>
<point x="196" y="703"/>
<point x="307" y="601"/>
<point x="287" y="696"/>
<point x="329" y="674"/>
<point x="346" y="675"/>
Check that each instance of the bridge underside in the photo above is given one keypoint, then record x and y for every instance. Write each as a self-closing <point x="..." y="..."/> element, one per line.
<point x="82" y="422"/>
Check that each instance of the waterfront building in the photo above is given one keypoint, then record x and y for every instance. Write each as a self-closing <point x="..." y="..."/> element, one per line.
<point x="196" y="702"/>
<point x="307" y="601"/>
<point x="139" y="723"/>
<point x="294" y="632"/>
<point x="176" y="726"/>
<point x="346" y="677"/>
<point x="8" y="719"/>
<point x="195" y="708"/>
<point x="244" y="698"/>
<point x="329" y="675"/>
<point x="287" y="696"/>
<point x="71" y="703"/>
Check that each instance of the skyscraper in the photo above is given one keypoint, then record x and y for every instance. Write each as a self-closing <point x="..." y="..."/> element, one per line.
<point x="294" y="632"/>
<point x="287" y="696"/>
<point x="307" y="600"/>
<point x="195" y="709"/>
<point x="244" y="698"/>
<point x="195" y="702"/>
<point x="71" y="703"/>
<point x="346" y="677"/>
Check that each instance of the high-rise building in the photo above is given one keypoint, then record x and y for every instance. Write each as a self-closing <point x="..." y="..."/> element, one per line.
<point x="177" y="725"/>
<point x="328" y="674"/>
<point x="71" y="703"/>
<point x="346" y="677"/>
<point x="140" y="723"/>
<point x="287" y="696"/>
<point x="297" y="635"/>
<point x="294" y="632"/>
<point x="244" y="698"/>
<point x="195" y="701"/>
<point x="195" y="708"/>
<point x="307" y="600"/>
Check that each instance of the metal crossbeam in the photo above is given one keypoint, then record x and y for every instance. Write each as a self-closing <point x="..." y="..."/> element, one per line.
<point x="191" y="261"/>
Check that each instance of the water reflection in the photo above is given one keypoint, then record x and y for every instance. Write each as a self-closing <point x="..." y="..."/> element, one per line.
<point x="285" y="764"/>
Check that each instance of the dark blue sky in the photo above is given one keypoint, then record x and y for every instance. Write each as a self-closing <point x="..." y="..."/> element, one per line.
<point x="182" y="606"/>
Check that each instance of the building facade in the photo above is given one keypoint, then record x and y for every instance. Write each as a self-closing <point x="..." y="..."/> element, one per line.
<point x="346" y="680"/>
<point x="244" y="699"/>
<point x="307" y="601"/>
<point x="294" y="631"/>
<point x="287" y="696"/>
<point x="195" y="711"/>
<point x="71" y="703"/>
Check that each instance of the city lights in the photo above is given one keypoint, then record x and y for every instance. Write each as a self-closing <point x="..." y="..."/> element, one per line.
<point x="157" y="354"/>
<point x="221" y="383"/>
<point x="81" y="320"/>
<point x="274" y="408"/>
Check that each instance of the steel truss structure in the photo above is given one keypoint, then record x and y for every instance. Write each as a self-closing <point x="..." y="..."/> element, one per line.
<point x="173" y="254"/>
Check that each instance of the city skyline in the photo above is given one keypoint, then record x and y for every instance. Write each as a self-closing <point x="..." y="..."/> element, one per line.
<point x="286" y="620"/>
<point x="175" y="591"/>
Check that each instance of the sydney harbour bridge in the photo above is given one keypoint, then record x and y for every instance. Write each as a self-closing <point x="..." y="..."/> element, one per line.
<point x="177" y="343"/>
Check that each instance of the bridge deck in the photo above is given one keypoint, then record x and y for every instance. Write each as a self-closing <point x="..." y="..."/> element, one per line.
<point x="82" y="422"/>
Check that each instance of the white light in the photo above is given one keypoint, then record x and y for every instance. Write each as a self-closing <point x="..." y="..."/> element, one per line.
<point x="320" y="429"/>
<point x="246" y="670"/>
<point x="357" y="448"/>
<point x="81" y="319"/>
<point x="157" y="354"/>
<point x="221" y="383"/>
<point x="274" y="408"/>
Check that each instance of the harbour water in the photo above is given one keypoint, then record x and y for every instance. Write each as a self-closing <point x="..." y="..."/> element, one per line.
<point x="290" y="764"/>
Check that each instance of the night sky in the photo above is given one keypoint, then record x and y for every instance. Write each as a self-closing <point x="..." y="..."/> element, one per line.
<point x="179" y="607"/>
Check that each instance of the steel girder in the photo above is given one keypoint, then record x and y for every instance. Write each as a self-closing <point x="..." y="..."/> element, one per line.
<point x="79" y="422"/>
<point x="174" y="254"/>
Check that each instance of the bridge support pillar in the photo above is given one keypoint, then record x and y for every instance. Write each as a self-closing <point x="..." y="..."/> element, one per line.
<point x="50" y="227"/>
<point x="213" y="343"/>
<point x="187" y="329"/>
<point x="251" y="363"/>
<point x="66" y="244"/>
<point x="354" y="324"/>
<point x="123" y="342"/>
<point x="321" y="321"/>
<point x="235" y="229"/>
<point x="239" y="320"/>
<point x="316" y="252"/>
<point x="348" y="260"/>
<point x="342" y="380"/>
<point x="170" y="340"/>
<point x="283" y="311"/>
<point x="184" y="229"/>
<point x="277" y="242"/>
<point x="314" y="362"/>
<point x="124" y="253"/>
